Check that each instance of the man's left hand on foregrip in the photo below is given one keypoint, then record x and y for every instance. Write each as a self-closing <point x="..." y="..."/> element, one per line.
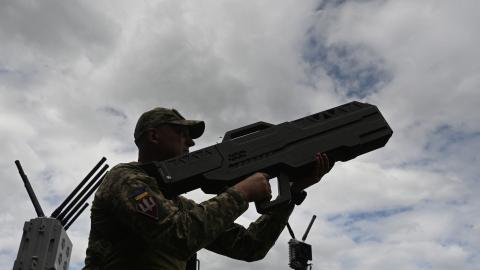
<point x="321" y="167"/>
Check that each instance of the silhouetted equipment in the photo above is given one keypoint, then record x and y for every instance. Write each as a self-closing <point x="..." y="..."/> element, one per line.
<point x="30" y="191"/>
<point x="83" y="195"/>
<point x="343" y="133"/>
<point x="304" y="237"/>
<point x="76" y="216"/>
<point x="45" y="244"/>
<point x="80" y="185"/>
<point x="299" y="251"/>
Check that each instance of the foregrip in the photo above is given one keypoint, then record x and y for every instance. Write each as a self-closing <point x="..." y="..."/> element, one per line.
<point x="343" y="133"/>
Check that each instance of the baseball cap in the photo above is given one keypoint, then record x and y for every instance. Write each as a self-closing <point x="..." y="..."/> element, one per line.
<point x="159" y="116"/>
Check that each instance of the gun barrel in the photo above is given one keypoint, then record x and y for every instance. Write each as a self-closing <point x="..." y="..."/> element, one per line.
<point x="309" y="227"/>
<point x="59" y="209"/>
<point x="30" y="191"/>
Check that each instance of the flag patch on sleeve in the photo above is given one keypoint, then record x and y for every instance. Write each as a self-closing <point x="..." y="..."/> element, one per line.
<point x="145" y="203"/>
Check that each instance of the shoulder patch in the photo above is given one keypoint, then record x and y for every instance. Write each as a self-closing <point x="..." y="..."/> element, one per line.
<point x="145" y="203"/>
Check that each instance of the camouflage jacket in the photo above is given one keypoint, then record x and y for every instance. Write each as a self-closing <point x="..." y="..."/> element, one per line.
<point x="133" y="226"/>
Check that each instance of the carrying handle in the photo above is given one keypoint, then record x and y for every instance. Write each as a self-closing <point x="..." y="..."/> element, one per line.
<point x="246" y="130"/>
<point x="284" y="196"/>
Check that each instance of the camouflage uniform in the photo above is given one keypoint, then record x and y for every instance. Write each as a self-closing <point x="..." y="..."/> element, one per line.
<point x="133" y="225"/>
<point x="126" y="235"/>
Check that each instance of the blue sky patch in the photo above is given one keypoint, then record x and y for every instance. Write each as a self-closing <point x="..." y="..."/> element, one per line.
<point x="361" y="238"/>
<point x="15" y="77"/>
<point x="327" y="4"/>
<point x="357" y="72"/>
<point x="348" y="223"/>
<point x="446" y="138"/>
<point x="114" y="112"/>
<point x="4" y="71"/>
<point x="350" y="218"/>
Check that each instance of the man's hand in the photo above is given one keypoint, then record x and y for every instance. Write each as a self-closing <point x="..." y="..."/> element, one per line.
<point x="255" y="187"/>
<point x="303" y="180"/>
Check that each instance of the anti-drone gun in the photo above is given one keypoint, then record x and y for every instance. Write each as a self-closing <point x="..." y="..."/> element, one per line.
<point x="45" y="243"/>
<point x="282" y="150"/>
<point x="299" y="252"/>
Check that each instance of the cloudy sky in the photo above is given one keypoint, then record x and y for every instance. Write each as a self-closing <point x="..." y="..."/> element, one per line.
<point x="75" y="76"/>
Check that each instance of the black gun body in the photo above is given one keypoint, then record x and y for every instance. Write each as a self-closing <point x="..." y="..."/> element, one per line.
<point x="343" y="133"/>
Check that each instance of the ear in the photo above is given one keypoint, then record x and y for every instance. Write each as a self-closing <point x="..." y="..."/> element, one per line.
<point x="152" y="135"/>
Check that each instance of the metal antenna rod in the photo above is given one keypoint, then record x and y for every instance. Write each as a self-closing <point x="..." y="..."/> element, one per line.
<point x="30" y="191"/>
<point x="309" y="227"/>
<point x="82" y="200"/>
<point x="290" y="230"/>
<point x="59" y="209"/>
<point x="76" y="216"/>
<point x="80" y="195"/>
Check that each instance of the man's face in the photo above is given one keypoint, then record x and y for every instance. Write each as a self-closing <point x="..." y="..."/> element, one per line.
<point x="173" y="140"/>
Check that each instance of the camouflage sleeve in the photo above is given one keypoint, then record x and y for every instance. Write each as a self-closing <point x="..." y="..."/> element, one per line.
<point x="139" y="204"/>
<point x="253" y="243"/>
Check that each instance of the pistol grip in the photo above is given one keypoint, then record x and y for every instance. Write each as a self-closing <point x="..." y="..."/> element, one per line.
<point x="284" y="196"/>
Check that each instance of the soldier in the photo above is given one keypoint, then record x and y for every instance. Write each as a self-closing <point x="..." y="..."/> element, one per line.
<point x="133" y="225"/>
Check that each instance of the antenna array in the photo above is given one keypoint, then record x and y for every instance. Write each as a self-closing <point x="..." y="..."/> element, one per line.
<point x="45" y="243"/>
<point x="300" y="252"/>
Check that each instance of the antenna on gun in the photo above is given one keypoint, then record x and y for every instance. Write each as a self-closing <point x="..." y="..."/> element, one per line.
<point x="30" y="191"/>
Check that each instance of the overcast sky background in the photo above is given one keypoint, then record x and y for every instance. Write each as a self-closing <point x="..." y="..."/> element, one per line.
<point x="76" y="75"/>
